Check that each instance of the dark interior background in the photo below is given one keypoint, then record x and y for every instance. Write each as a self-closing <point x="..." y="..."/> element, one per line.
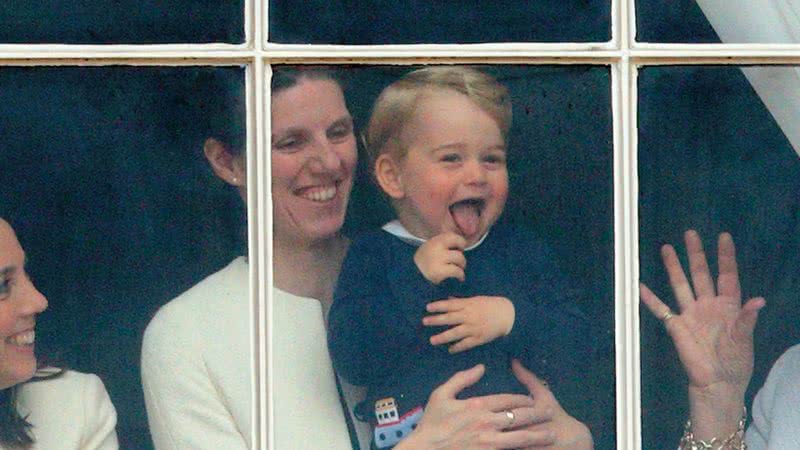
<point x="439" y="22"/>
<point x="121" y="21"/>
<point x="104" y="180"/>
<point x="102" y="174"/>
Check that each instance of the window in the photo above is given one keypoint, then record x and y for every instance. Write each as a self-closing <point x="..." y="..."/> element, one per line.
<point x="639" y="119"/>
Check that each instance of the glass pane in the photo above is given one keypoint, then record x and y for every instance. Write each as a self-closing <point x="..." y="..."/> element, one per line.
<point x="442" y="22"/>
<point x="122" y="22"/>
<point x="105" y="183"/>
<point x="711" y="21"/>
<point x="717" y="152"/>
<point x="560" y="177"/>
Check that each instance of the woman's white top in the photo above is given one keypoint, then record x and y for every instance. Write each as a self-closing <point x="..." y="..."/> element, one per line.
<point x="69" y="412"/>
<point x="197" y="371"/>
<point x="776" y="409"/>
<point x="308" y="412"/>
<point x="197" y="366"/>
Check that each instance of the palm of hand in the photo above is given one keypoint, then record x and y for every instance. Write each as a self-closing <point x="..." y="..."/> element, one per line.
<point x="710" y="351"/>
<point x="714" y="331"/>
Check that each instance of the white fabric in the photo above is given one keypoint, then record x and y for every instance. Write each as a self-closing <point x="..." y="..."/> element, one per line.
<point x="397" y="229"/>
<point x="764" y="21"/>
<point x="196" y="366"/>
<point x="309" y="414"/>
<point x="70" y="412"/>
<point x="776" y="409"/>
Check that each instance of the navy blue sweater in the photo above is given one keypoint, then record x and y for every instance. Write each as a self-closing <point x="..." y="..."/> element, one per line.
<point x="377" y="339"/>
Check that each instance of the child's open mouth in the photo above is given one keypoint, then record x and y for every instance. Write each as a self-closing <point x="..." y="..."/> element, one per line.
<point x="467" y="215"/>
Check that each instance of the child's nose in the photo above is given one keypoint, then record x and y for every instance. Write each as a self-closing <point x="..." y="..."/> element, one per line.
<point x="475" y="173"/>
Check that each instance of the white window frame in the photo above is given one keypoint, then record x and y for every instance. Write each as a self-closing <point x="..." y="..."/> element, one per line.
<point x="622" y="54"/>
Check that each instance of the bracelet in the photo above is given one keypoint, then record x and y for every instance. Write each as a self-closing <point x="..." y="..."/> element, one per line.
<point x="734" y="442"/>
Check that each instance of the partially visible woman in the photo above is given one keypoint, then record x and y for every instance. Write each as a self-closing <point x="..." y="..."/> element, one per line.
<point x="714" y="337"/>
<point x="196" y="353"/>
<point x="42" y="408"/>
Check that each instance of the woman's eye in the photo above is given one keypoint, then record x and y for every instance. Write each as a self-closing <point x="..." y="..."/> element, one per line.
<point x="340" y="133"/>
<point x="5" y="287"/>
<point x="287" y="144"/>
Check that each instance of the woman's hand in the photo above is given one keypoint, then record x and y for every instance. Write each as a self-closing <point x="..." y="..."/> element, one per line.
<point x="478" y="423"/>
<point x="474" y="321"/>
<point x="713" y="333"/>
<point x="567" y="432"/>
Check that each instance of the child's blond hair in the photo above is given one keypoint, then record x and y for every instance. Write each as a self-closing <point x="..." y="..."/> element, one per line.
<point x="396" y="104"/>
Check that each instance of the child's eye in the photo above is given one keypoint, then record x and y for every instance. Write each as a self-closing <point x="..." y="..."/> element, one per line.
<point x="450" y="158"/>
<point x="495" y="158"/>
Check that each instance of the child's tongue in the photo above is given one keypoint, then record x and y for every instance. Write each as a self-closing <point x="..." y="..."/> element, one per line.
<point x="467" y="216"/>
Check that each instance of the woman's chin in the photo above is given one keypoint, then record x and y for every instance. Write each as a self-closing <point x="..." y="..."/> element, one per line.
<point x="17" y="372"/>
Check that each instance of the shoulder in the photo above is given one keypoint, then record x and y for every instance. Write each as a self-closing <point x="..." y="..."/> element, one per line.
<point x="520" y="244"/>
<point x="70" y="385"/>
<point x="70" y="408"/>
<point x="786" y="368"/>
<point x="775" y="414"/>
<point x="517" y="237"/>
<point x="369" y="249"/>
<point x="371" y="241"/>
<point x="220" y="294"/>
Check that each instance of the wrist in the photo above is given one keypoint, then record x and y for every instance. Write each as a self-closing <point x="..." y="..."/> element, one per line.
<point x="715" y="411"/>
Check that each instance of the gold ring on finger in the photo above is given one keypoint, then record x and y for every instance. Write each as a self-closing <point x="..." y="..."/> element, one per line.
<point x="667" y="315"/>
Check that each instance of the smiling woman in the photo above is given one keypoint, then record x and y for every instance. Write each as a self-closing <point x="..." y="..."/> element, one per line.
<point x="85" y="417"/>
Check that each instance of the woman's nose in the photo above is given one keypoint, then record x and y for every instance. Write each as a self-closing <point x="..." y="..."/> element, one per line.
<point x="324" y="157"/>
<point x="34" y="301"/>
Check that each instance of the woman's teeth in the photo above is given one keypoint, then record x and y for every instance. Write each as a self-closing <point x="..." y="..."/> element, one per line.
<point x="320" y="194"/>
<point x="24" y="338"/>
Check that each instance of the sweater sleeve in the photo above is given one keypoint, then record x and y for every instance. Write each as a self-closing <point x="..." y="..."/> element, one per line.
<point x="100" y="416"/>
<point x="775" y="415"/>
<point x="378" y="307"/>
<point x="184" y="408"/>
<point x="353" y="322"/>
<point x="545" y="303"/>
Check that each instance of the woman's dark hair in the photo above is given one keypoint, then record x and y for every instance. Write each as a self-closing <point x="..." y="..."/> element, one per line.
<point x="284" y="77"/>
<point x="14" y="429"/>
<point x="221" y="107"/>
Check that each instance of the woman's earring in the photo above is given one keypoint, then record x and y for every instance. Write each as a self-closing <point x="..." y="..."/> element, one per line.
<point x="235" y="180"/>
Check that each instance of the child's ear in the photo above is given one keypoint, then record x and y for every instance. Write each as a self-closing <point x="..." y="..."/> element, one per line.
<point x="387" y="172"/>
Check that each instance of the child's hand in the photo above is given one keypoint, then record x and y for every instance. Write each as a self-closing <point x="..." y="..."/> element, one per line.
<point x="476" y="320"/>
<point x="442" y="257"/>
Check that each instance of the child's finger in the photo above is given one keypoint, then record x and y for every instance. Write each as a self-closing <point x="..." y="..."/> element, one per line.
<point x="450" y="335"/>
<point x="457" y="258"/>
<point x="436" y="320"/>
<point x="464" y="344"/>
<point x="449" y="305"/>
<point x="453" y="271"/>
<point x="453" y="241"/>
